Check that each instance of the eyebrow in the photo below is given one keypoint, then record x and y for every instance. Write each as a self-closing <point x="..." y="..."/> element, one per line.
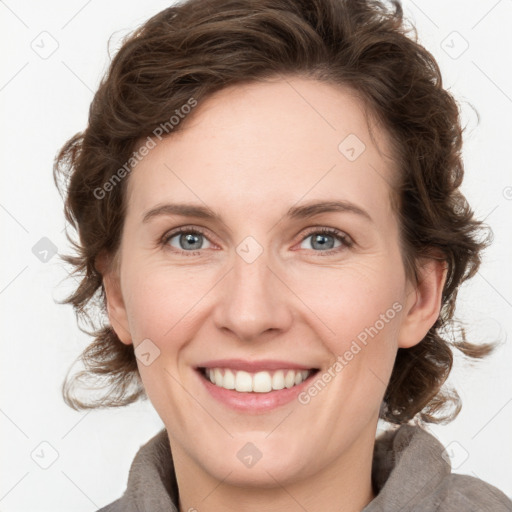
<point x="295" y="212"/>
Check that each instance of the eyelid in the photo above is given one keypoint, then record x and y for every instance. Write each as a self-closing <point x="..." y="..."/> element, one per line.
<point x="183" y="229"/>
<point x="347" y="239"/>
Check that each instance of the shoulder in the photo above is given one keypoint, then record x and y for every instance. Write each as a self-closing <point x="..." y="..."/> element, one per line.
<point x="464" y="492"/>
<point x="411" y="473"/>
<point x="116" y="506"/>
<point x="152" y="482"/>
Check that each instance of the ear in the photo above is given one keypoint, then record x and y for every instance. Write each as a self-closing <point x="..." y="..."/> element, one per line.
<point x="115" y="303"/>
<point x="423" y="303"/>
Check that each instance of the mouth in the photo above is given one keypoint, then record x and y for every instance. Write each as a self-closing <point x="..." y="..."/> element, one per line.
<point x="256" y="382"/>
<point x="254" y="388"/>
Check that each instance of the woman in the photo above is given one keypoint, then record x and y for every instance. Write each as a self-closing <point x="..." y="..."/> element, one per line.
<point x="267" y="197"/>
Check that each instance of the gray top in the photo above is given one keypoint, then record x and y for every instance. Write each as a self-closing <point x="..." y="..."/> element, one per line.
<point x="409" y="474"/>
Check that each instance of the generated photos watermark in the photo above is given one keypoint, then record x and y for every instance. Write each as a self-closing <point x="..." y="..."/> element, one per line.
<point x="344" y="359"/>
<point x="137" y="156"/>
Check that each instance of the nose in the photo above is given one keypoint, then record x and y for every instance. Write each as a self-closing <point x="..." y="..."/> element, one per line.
<point x="254" y="302"/>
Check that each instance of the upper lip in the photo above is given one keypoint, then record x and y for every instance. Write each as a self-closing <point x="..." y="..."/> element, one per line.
<point x="254" y="366"/>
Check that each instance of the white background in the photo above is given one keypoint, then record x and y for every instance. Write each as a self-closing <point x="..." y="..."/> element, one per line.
<point x="44" y="101"/>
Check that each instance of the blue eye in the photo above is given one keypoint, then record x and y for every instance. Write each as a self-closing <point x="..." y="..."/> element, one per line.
<point x="187" y="240"/>
<point x="325" y="240"/>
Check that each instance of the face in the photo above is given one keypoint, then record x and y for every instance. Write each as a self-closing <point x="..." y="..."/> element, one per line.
<point x="282" y="278"/>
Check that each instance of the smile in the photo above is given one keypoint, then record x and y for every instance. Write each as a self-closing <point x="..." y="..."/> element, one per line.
<point x="259" y="382"/>
<point x="254" y="386"/>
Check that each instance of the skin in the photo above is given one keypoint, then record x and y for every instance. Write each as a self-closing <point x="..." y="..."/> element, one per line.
<point x="250" y="153"/>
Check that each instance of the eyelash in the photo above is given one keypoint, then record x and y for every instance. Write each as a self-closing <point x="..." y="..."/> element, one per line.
<point x="342" y="237"/>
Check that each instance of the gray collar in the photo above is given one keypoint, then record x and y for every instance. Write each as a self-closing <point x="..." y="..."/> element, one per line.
<point x="409" y="474"/>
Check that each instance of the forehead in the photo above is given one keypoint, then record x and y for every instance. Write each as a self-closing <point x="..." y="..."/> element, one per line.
<point x="268" y="145"/>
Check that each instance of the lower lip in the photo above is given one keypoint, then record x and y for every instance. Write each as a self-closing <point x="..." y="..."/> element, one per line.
<point x="254" y="402"/>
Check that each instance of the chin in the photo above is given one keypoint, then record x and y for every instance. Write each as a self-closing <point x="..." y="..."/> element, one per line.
<point x="262" y="464"/>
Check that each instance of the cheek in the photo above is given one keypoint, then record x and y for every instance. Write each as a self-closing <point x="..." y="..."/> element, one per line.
<point x="163" y="305"/>
<point x="161" y="302"/>
<point x="359" y="308"/>
<point x="354" y="299"/>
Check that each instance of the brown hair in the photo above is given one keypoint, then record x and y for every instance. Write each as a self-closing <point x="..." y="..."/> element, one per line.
<point x="197" y="47"/>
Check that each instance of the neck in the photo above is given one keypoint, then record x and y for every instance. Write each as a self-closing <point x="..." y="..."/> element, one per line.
<point x="343" y="485"/>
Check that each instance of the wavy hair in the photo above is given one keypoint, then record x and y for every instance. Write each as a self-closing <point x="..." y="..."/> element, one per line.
<point x="197" y="47"/>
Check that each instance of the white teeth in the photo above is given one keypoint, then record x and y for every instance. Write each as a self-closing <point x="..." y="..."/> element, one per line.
<point x="229" y="380"/>
<point x="260" y="382"/>
<point x="289" y="380"/>
<point x="278" y="380"/>
<point x="243" y="381"/>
